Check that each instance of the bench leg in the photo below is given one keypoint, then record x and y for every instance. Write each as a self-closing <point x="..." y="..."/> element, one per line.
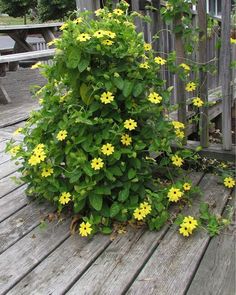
<point x="4" y="97"/>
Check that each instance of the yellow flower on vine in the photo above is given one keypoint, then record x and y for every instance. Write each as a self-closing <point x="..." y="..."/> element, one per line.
<point x="185" y="67"/>
<point x="126" y="139"/>
<point x="99" y="11"/>
<point x="47" y="172"/>
<point x="191" y="86"/>
<point x="159" y="60"/>
<point x="179" y="133"/>
<point x="107" y="149"/>
<point x="18" y="131"/>
<point x="154" y="97"/>
<point x="107" y="42"/>
<point x="185" y="230"/>
<point x="39" y="148"/>
<point x="85" y="229"/>
<point x="187" y="186"/>
<point x="65" y="198"/>
<point x="97" y="163"/>
<point x="177" y="124"/>
<point x="177" y="161"/>
<point x="106" y="97"/>
<point x="229" y="182"/>
<point x="130" y="124"/>
<point x="14" y="150"/>
<point x="110" y="34"/>
<point x="62" y="135"/>
<point x="197" y="102"/>
<point x="99" y="34"/>
<point x="190" y="222"/>
<point x="36" y="66"/>
<point x="174" y="194"/>
<point x="64" y="26"/>
<point x="144" y="65"/>
<point x="139" y="214"/>
<point x="83" y="37"/>
<point x="147" y="46"/>
<point x="146" y="207"/>
<point x="118" y="11"/>
<point x="78" y="20"/>
<point x="232" y="40"/>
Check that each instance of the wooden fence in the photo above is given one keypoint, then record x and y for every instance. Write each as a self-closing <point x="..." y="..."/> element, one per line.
<point x="208" y="53"/>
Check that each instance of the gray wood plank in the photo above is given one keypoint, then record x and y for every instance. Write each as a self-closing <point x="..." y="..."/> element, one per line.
<point x="7" y="184"/>
<point x="3" y="145"/>
<point x="22" y="222"/>
<point x="7" y="168"/>
<point x="59" y="270"/>
<point x="173" y="263"/>
<point x="6" y="28"/>
<point x="4" y="158"/>
<point x="27" y="253"/>
<point x="121" y="261"/>
<point x="12" y="202"/>
<point x="216" y="272"/>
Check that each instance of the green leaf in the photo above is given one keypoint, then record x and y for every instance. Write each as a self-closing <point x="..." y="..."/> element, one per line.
<point x="84" y="63"/>
<point x="88" y="170"/>
<point x="128" y="86"/>
<point x="138" y="89"/>
<point x="119" y="83"/>
<point x="116" y="171"/>
<point x="96" y="201"/>
<point x="85" y="94"/>
<point x="79" y="205"/>
<point x="102" y="191"/>
<point x="115" y="209"/>
<point x="123" y="195"/>
<point x="73" y="57"/>
<point x="131" y="173"/>
<point x="106" y="230"/>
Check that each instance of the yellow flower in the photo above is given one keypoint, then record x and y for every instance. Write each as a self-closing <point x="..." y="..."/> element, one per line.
<point x="147" y="46"/>
<point x="126" y="139"/>
<point x="62" y="135"/>
<point x="13" y="151"/>
<point x="139" y="214"/>
<point x="198" y="102"/>
<point x="36" y="66"/>
<point x="83" y="37"/>
<point x="33" y="160"/>
<point x="107" y="149"/>
<point x="185" y="67"/>
<point x="106" y="97"/>
<point x="174" y="194"/>
<point x="154" y="97"/>
<point x="47" y="172"/>
<point x="64" y="198"/>
<point x="99" y="11"/>
<point x="129" y="24"/>
<point x="64" y="26"/>
<point x="85" y="229"/>
<point x="110" y="34"/>
<point x="185" y="230"/>
<point x="107" y="42"/>
<point x="191" y="86"/>
<point x="99" y="34"/>
<point x="177" y="124"/>
<point x="179" y="133"/>
<point x="186" y="186"/>
<point x="144" y="65"/>
<point x="118" y="11"/>
<point x="190" y="222"/>
<point x="232" y="41"/>
<point x="40" y="155"/>
<point x="51" y="42"/>
<point x="39" y="148"/>
<point x="41" y="101"/>
<point x="130" y="124"/>
<point x="229" y="182"/>
<point x="18" y="131"/>
<point x="159" y="60"/>
<point x="177" y="161"/>
<point x="97" y="163"/>
<point x="78" y="20"/>
<point x="146" y="207"/>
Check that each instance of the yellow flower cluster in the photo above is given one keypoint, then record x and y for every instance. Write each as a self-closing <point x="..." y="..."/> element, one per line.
<point x="14" y="150"/>
<point x="144" y="65"/>
<point x="178" y="126"/>
<point x="65" y="198"/>
<point x="98" y="34"/>
<point x="229" y="182"/>
<point x="38" y="156"/>
<point x="85" y="229"/>
<point x="142" y="211"/>
<point x="185" y="67"/>
<point x="187" y="226"/>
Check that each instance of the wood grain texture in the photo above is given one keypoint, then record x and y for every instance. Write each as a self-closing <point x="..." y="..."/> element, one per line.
<point x="23" y="256"/>
<point x="171" y="266"/>
<point x="22" y="222"/>
<point x="4" y="158"/>
<point x="7" y="184"/>
<point x="7" y="168"/>
<point x="12" y="202"/>
<point x="55" y="274"/>
<point x="216" y="272"/>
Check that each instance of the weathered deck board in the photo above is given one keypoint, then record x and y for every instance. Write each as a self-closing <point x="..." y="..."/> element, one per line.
<point x="171" y="266"/>
<point x="23" y="256"/>
<point x="7" y="168"/>
<point x="4" y="158"/>
<point x="12" y="202"/>
<point x="217" y="268"/>
<point x="7" y="184"/>
<point x="22" y="222"/>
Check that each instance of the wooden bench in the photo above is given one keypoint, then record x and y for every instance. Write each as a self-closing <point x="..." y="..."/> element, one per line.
<point x="16" y="57"/>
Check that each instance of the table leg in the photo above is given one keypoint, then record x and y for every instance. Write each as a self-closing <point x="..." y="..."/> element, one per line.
<point x="48" y="35"/>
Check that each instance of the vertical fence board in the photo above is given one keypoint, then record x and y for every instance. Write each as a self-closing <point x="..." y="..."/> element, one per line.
<point x="202" y="59"/>
<point x="225" y="58"/>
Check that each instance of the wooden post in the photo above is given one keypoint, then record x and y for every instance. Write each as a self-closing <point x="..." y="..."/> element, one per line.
<point x="180" y="89"/>
<point x="202" y="59"/>
<point x="225" y="74"/>
<point x="88" y="5"/>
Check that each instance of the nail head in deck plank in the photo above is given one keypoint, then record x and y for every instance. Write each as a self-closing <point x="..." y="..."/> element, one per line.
<point x="23" y="256"/>
<point x="172" y="265"/>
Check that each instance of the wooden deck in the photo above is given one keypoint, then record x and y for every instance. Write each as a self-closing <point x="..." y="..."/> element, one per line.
<point x="43" y="260"/>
